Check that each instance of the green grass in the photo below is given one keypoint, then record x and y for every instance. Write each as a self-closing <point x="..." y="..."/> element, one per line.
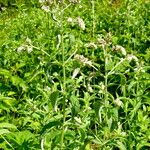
<point x="76" y="77"/>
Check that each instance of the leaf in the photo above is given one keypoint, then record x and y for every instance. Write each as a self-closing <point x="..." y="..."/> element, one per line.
<point x="50" y="125"/>
<point x="7" y="125"/>
<point x="70" y="135"/>
<point x="121" y="146"/>
<point x="4" y="131"/>
<point x="82" y="134"/>
<point x="14" y="79"/>
<point x="5" y="72"/>
<point x="53" y="98"/>
<point x="8" y="101"/>
<point x="75" y="105"/>
<point x="18" y="82"/>
<point x="22" y="137"/>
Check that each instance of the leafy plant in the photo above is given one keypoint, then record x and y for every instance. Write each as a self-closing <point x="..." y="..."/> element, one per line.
<point x="75" y="75"/>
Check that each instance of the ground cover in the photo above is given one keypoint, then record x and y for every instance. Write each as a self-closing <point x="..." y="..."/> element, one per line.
<point x="74" y="75"/>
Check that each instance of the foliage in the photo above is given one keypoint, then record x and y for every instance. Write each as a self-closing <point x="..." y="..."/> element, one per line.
<point x="75" y="75"/>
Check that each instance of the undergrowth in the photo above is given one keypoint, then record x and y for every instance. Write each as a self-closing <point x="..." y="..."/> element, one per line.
<point x="74" y="75"/>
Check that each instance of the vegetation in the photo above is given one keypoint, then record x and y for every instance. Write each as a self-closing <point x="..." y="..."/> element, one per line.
<point x="74" y="75"/>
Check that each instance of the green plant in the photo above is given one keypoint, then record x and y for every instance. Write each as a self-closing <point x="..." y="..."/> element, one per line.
<point x="75" y="75"/>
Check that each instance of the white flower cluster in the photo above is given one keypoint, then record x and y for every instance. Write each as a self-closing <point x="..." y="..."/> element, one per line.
<point x="45" y="4"/>
<point x="78" y="21"/>
<point x="91" y="45"/>
<point x="118" y="102"/>
<point x="120" y="49"/>
<point x="27" y="46"/>
<point x="74" y="1"/>
<point x="83" y="60"/>
<point x="45" y="8"/>
<point x="81" y="23"/>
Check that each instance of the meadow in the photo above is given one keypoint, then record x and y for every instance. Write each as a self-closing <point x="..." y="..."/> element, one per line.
<point x="75" y="75"/>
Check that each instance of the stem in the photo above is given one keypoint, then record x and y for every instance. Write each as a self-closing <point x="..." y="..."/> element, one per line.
<point x="93" y="16"/>
<point x="64" y="83"/>
<point x="7" y="142"/>
<point x="106" y="81"/>
<point x="106" y="74"/>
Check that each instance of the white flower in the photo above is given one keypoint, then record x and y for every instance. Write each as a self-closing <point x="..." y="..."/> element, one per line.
<point x="29" y="49"/>
<point x="75" y="72"/>
<point x="120" y="49"/>
<point x="132" y="57"/>
<point x="80" y="23"/>
<point x="89" y="88"/>
<point x="74" y="1"/>
<point x="118" y="102"/>
<point x="91" y="45"/>
<point x="21" y="48"/>
<point x="28" y="41"/>
<point x="26" y="46"/>
<point x="123" y="134"/>
<point x="83" y="60"/>
<point x="45" y="8"/>
<point x="70" y="20"/>
<point x="101" y="42"/>
<point x="41" y="1"/>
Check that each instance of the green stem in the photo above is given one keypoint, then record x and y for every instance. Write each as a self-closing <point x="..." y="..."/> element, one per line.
<point x="64" y="83"/>
<point x="106" y="75"/>
<point x="93" y="16"/>
<point x="106" y="82"/>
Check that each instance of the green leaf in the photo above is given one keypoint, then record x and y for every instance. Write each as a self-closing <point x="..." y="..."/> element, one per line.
<point x="50" y="125"/>
<point x="53" y="98"/>
<point x="7" y="101"/>
<point x="4" y="131"/>
<point x="7" y="125"/>
<point x="121" y="146"/>
<point x="75" y="105"/>
<point x="5" y="72"/>
<point x="70" y="135"/>
<point x="18" y="82"/>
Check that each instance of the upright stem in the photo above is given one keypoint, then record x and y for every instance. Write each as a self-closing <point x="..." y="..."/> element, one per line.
<point x="93" y="17"/>
<point x="106" y="75"/>
<point x="64" y="83"/>
<point x="64" y="95"/>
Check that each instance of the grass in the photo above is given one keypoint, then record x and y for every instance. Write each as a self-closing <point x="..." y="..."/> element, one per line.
<point x="75" y="76"/>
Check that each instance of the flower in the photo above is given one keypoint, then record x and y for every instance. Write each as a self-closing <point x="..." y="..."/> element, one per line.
<point x="82" y="59"/>
<point x="29" y="49"/>
<point x="132" y="57"/>
<point x="21" y="48"/>
<point x="118" y="102"/>
<point x="75" y="72"/>
<point x="91" y="45"/>
<point x="80" y="23"/>
<point x="70" y="20"/>
<point x="26" y="46"/>
<point x="45" y="8"/>
<point x="101" y="42"/>
<point x="119" y="49"/>
<point x="74" y="1"/>
<point x="41" y="1"/>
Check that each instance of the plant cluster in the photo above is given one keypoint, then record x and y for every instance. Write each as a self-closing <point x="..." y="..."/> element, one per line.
<point x="74" y="75"/>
